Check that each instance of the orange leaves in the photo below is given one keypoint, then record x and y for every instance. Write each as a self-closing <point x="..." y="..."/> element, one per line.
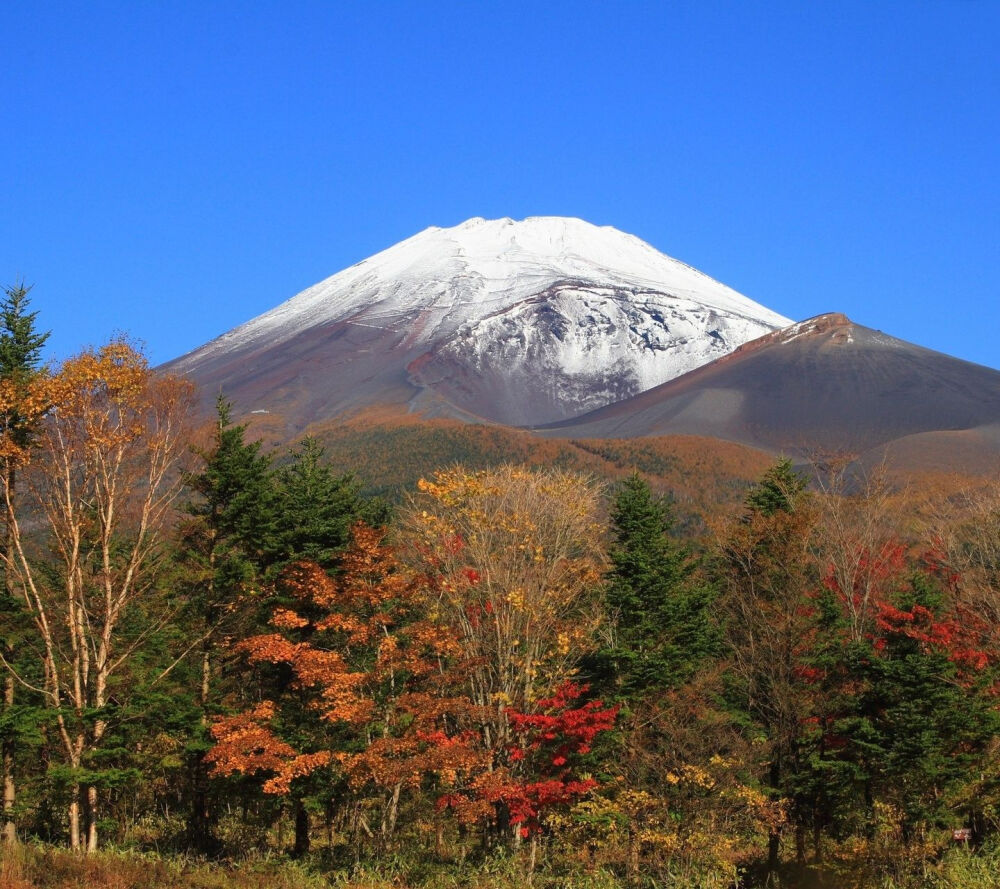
<point x="488" y="607"/>
<point x="297" y="767"/>
<point x="313" y="668"/>
<point x="309" y="582"/>
<point x="354" y="646"/>
<point x="273" y="649"/>
<point x="286" y="619"/>
<point x="244" y="744"/>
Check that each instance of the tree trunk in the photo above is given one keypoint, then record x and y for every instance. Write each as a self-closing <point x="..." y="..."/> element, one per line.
<point x="200" y="820"/>
<point x="74" y="818"/>
<point x="302" y="839"/>
<point x="92" y="818"/>
<point x="774" y="839"/>
<point x="9" y="790"/>
<point x="389" y="823"/>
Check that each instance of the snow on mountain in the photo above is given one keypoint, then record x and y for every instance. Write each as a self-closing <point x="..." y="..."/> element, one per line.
<point x="517" y="322"/>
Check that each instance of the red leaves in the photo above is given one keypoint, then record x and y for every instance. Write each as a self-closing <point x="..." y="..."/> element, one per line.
<point x="574" y="728"/>
<point x="548" y="740"/>
<point x="950" y="636"/>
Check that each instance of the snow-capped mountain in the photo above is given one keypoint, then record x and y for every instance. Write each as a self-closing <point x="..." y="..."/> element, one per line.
<point x="516" y="322"/>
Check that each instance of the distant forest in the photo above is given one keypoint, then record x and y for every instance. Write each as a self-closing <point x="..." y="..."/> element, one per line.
<point x="225" y="665"/>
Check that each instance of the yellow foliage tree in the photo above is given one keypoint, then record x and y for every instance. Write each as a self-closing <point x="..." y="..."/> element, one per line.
<point x="100" y="477"/>
<point x="515" y="558"/>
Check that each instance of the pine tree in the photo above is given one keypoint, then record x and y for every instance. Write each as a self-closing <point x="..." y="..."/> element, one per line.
<point x="223" y="544"/>
<point x="778" y="490"/>
<point x="768" y="576"/>
<point x="20" y="354"/>
<point x="659" y="612"/>
<point x="316" y="508"/>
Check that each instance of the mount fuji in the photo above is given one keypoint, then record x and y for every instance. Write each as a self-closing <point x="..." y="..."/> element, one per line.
<point x="513" y="322"/>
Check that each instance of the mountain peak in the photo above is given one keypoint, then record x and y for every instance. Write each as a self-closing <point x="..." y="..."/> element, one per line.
<point x="518" y="322"/>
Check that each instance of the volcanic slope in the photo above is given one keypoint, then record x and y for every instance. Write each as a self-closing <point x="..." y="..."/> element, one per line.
<point x="825" y="385"/>
<point x="519" y="323"/>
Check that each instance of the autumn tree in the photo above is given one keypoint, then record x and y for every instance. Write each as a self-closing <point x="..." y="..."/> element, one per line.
<point x="20" y="353"/>
<point x="516" y="559"/>
<point x="859" y="540"/>
<point x="436" y="660"/>
<point x="102" y="479"/>
<point x="769" y="579"/>
<point x="364" y="697"/>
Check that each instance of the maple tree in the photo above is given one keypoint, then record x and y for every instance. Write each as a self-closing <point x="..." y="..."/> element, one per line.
<point x="558" y="731"/>
<point x="357" y="646"/>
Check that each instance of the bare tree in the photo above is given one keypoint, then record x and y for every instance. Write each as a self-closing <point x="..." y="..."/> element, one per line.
<point x="859" y="540"/>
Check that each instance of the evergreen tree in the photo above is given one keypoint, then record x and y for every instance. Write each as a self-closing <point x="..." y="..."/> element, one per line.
<point x="918" y="713"/>
<point x="20" y="354"/>
<point x="768" y="577"/>
<point x="658" y="610"/>
<point x="316" y="508"/>
<point x="223" y="545"/>
<point x="778" y="490"/>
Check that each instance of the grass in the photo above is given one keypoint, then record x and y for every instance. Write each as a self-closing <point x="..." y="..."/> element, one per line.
<point x="35" y="866"/>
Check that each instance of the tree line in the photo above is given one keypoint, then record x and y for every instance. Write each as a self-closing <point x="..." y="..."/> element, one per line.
<point x="208" y="648"/>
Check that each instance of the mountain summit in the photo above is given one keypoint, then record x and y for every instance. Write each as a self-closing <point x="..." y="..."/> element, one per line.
<point x="520" y="323"/>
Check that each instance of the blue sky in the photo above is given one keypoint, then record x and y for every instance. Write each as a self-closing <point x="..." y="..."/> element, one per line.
<point x="171" y="169"/>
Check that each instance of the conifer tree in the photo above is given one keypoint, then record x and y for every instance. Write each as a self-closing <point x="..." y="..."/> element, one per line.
<point x="224" y="541"/>
<point x="778" y="490"/>
<point x="20" y="353"/>
<point x="316" y="508"/>
<point x="769" y="577"/>
<point x="658" y="610"/>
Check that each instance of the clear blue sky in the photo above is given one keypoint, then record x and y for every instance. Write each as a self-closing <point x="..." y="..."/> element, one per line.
<point x="171" y="169"/>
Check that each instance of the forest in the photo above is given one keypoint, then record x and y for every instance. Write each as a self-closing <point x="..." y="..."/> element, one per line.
<point x="225" y="666"/>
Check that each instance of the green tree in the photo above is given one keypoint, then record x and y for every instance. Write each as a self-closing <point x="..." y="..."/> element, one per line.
<point x="769" y="577"/>
<point x="658" y="609"/>
<point x="20" y="355"/>
<point x="917" y="711"/>
<point x="779" y="490"/>
<point x="229" y="528"/>
<point x="315" y="509"/>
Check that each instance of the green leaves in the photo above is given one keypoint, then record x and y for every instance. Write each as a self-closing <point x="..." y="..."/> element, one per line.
<point x="657" y="606"/>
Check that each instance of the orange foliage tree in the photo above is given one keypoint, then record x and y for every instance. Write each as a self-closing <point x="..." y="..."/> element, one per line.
<point x="366" y="658"/>
<point x="101" y="479"/>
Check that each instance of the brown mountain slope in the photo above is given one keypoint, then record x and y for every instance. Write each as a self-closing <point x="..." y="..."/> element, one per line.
<point x="824" y="385"/>
<point x="390" y="450"/>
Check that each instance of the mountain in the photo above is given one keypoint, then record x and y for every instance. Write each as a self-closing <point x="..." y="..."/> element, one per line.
<point x="520" y="323"/>
<point x="823" y="385"/>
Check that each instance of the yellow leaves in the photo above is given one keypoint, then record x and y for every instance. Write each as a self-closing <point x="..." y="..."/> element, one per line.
<point x="562" y="643"/>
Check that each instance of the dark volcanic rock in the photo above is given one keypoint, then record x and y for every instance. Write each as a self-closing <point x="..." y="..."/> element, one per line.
<point x="824" y="385"/>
